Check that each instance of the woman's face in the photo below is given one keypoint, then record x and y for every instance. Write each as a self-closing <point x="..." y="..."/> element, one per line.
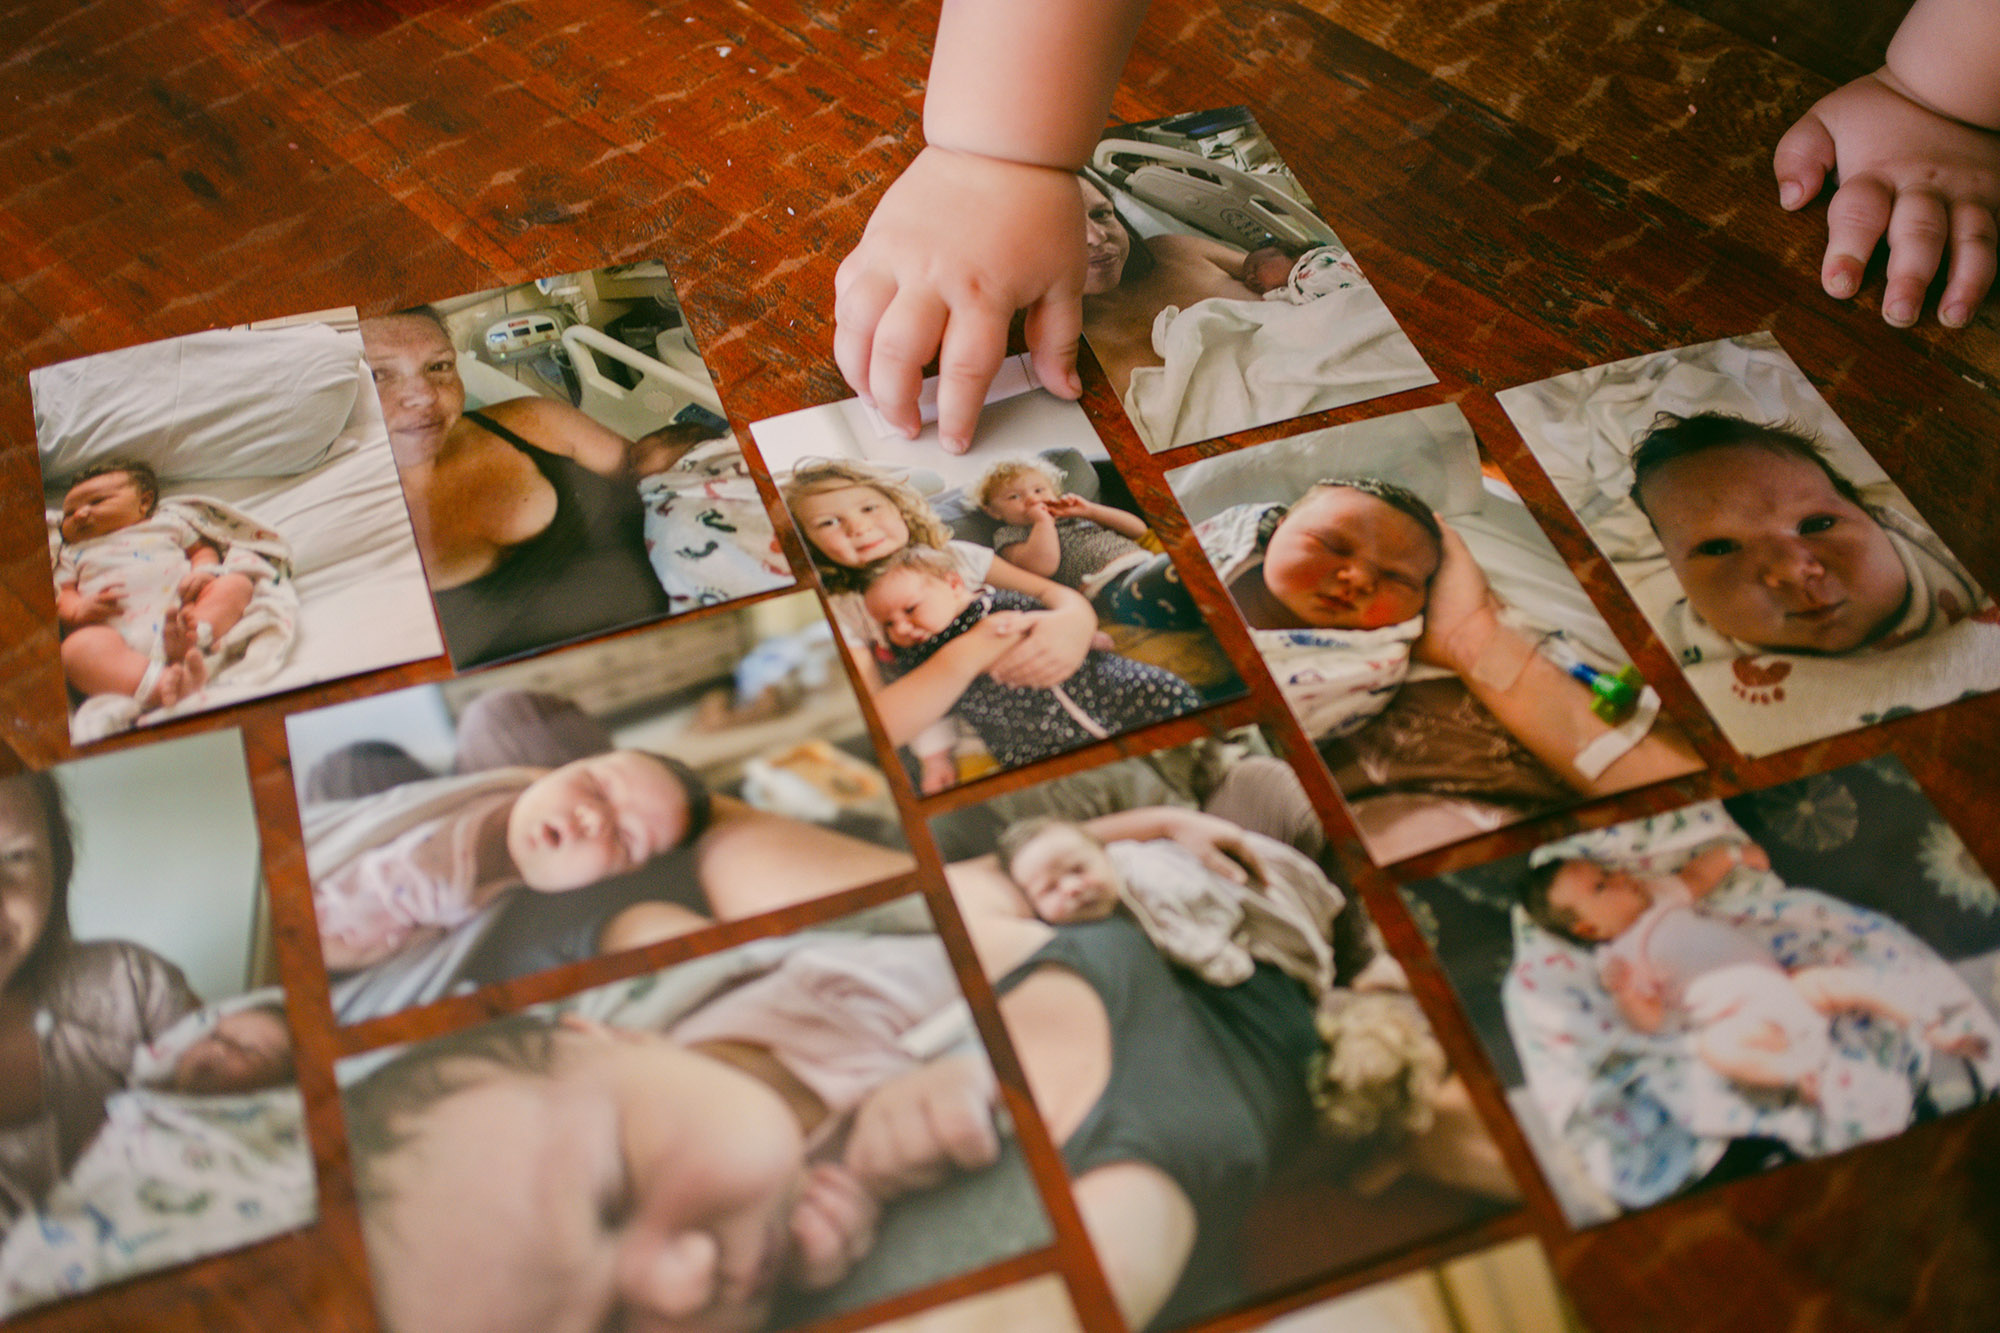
<point x="595" y="818"/>
<point x="1108" y="245"/>
<point x="416" y="374"/>
<point x="640" y="1186"/>
<point x="1770" y="553"/>
<point x="853" y="526"/>
<point x="27" y="877"/>
<point x="1345" y="559"/>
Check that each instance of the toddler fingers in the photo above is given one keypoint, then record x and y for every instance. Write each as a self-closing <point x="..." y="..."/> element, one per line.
<point x="908" y="335"/>
<point x="1855" y="220"/>
<point x="1918" y="228"/>
<point x="859" y="298"/>
<point x="974" y="342"/>
<point x="1973" y="235"/>
<point x="1052" y="328"/>
<point x="1803" y="157"/>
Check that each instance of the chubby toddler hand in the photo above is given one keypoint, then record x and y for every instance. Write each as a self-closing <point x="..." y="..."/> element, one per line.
<point x="1927" y="183"/>
<point x="833" y="1225"/>
<point x="957" y="244"/>
<point x="918" y="1127"/>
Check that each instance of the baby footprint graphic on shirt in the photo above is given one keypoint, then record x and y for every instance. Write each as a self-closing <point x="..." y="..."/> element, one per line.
<point x="1759" y="683"/>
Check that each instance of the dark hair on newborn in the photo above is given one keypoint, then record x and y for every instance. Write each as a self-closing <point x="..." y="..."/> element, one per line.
<point x="144" y="479"/>
<point x="1671" y="437"/>
<point x="1534" y="890"/>
<point x="1388" y="492"/>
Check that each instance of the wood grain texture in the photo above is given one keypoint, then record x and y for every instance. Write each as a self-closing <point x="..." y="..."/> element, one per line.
<point x="1533" y="185"/>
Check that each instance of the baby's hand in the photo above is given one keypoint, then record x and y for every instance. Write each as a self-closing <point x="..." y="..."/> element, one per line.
<point x="832" y="1226"/>
<point x="1905" y="170"/>
<point x="1753" y="855"/>
<point x="916" y="1128"/>
<point x="1008" y="624"/>
<point x="1615" y="973"/>
<point x="1070" y="505"/>
<point x="100" y="604"/>
<point x="937" y="773"/>
<point x="957" y="245"/>
<point x="195" y="580"/>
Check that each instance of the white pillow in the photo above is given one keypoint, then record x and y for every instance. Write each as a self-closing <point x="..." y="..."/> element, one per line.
<point x="1431" y="451"/>
<point x="226" y="403"/>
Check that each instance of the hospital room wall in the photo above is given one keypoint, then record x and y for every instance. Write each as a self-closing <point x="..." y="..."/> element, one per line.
<point x="167" y="855"/>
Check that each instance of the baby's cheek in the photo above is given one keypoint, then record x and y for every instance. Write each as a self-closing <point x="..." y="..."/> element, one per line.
<point x="1383" y="609"/>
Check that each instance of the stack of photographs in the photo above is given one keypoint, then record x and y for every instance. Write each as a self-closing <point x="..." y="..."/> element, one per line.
<point x="949" y="914"/>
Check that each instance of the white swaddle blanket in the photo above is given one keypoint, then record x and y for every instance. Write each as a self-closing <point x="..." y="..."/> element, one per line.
<point x="1230" y="364"/>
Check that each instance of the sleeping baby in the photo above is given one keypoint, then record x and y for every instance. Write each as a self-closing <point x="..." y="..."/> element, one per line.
<point x="1776" y="551"/>
<point x="1333" y="588"/>
<point x="1667" y="965"/>
<point x="924" y="606"/>
<point x="1210" y="924"/>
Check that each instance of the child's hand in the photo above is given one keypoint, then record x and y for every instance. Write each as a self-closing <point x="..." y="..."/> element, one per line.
<point x="1070" y="505"/>
<point x="1908" y="171"/>
<point x="1753" y="855"/>
<point x="1007" y="624"/>
<point x="913" y="1130"/>
<point x="195" y="580"/>
<point x="833" y="1225"/>
<point x="98" y="605"/>
<point x="936" y="773"/>
<point x="1615" y="974"/>
<point x="957" y="245"/>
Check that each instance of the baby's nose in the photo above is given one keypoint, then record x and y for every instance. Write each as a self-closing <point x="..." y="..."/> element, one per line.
<point x="1790" y="562"/>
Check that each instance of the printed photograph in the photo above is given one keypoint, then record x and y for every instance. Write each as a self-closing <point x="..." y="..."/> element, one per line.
<point x="1508" y="1288"/>
<point x="1689" y="998"/>
<point x="224" y="522"/>
<point x="771" y="1135"/>
<point x="1801" y="591"/>
<point x="596" y="800"/>
<point x="1426" y="635"/>
<point x="1217" y="298"/>
<point x="1005" y="605"/>
<point x="149" y="1114"/>
<point x="1246" y="1095"/>
<point x="566" y="460"/>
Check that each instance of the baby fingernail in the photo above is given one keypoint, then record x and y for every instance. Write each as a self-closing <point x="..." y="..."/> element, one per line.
<point x="955" y="445"/>
<point x="1954" y="316"/>
<point x="1789" y="194"/>
<point x="1841" y="284"/>
<point x="1899" y="313"/>
<point x="1075" y="382"/>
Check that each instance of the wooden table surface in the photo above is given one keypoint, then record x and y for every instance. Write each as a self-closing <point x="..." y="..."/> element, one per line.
<point x="1533" y="185"/>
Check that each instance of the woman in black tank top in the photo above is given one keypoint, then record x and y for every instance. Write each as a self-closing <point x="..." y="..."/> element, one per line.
<point x="583" y="572"/>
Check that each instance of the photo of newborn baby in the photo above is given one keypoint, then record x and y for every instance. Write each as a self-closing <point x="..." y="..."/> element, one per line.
<point x="1798" y="587"/>
<point x="152" y="1116"/>
<point x="758" y="1138"/>
<point x="1692" y="997"/>
<point x="144" y="595"/>
<point x="1430" y="641"/>
<point x="223" y="523"/>
<point x="1216" y="298"/>
<point x="590" y="802"/>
